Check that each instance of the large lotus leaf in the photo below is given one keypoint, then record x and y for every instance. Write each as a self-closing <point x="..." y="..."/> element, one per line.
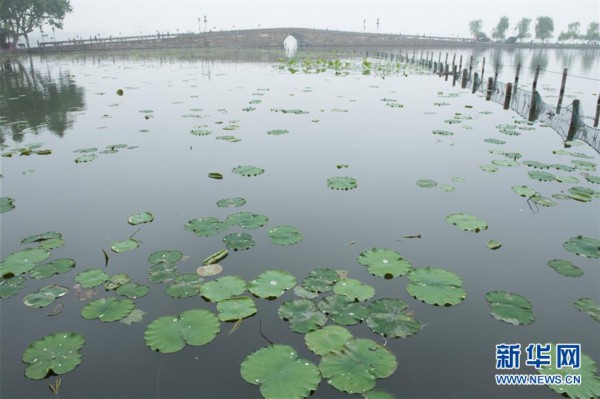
<point x="327" y="339"/>
<point x="238" y="241"/>
<point x="583" y="194"/>
<point x="302" y="292"/>
<point x="565" y="267"/>
<point x="45" y="296"/>
<point x="524" y="191"/>
<point x="10" y="286"/>
<point x="384" y="262"/>
<point x="509" y="307"/>
<point x="51" y="244"/>
<point x="589" y="307"/>
<point x="321" y="280"/>
<point x="193" y="327"/>
<point x="280" y="373"/>
<point x="354" y="289"/>
<point x="247" y="220"/>
<point x="285" y="235"/>
<point x="536" y="164"/>
<point x="593" y="179"/>
<point x="355" y="368"/>
<point x="342" y="183"/>
<point x="231" y="202"/>
<point x="132" y="290"/>
<point x="125" y="245"/>
<point x="236" y="308"/>
<point x="584" y="165"/>
<point x="590" y="381"/>
<point x="139" y="218"/>
<point x="436" y="286"/>
<point x="567" y="179"/>
<point x="426" y="183"/>
<point x="162" y="272"/>
<point x="116" y="281"/>
<point x="583" y="246"/>
<point x="57" y="266"/>
<point x="248" y="170"/>
<point x="206" y="227"/>
<point x="185" y="286"/>
<point x="91" y="278"/>
<point x="107" y="309"/>
<point x="391" y="318"/>
<point x="49" y="235"/>
<point x="271" y="283"/>
<point x="342" y="310"/>
<point x="165" y="256"/>
<point x="6" y="204"/>
<point x="223" y="288"/>
<point x="303" y="315"/>
<point x="541" y="176"/>
<point x="22" y="261"/>
<point x="57" y="353"/>
<point x="466" y="222"/>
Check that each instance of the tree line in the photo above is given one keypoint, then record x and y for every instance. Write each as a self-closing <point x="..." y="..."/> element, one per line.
<point x="544" y="29"/>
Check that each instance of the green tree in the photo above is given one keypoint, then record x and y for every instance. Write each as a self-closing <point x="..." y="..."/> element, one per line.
<point x="499" y="31"/>
<point x="523" y="28"/>
<point x="593" y="33"/>
<point x="21" y="17"/>
<point x="475" y="27"/>
<point x="544" y="28"/>
<point x="571" y="33"/>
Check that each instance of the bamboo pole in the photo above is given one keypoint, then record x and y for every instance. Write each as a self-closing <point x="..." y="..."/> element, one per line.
<point x="562" y="90"/>
<point x="508" y="95"/>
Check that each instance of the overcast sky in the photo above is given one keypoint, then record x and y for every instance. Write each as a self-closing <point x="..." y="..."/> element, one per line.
<point x="430" y="17"/>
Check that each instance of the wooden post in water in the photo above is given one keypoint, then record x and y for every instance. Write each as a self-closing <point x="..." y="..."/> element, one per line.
<point x="445" y="62"/>
<point x="454" y="59"/>
<point x="534" y="96"/>
<point x="574" y="121"/>
<point x="562" y="90"/>
<point x="470" y="66"/>
<point x="496" y="75"/>
<point x="446" y="73"/>
<point x="488" y="95"/>
<point x="597" y="112"/>
<point x="517" y="75"/>
<point x="507" y="95"/>
<point x="453" y="75"/>
<point x="463" y="83"/>
<point x="460" y="64"/>
<point x="535" y="77"/>
<point x="440" y="57"/>
<point x="482" y="68"/>
<point x="475" y="79"/>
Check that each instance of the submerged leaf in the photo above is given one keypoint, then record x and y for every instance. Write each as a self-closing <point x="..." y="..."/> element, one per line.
<point x="236" y="308"/>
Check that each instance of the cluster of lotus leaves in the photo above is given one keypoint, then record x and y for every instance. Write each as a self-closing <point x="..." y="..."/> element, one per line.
<point x="320" y="280"/>
<point x="44" y="296"/>
<point x="57" y="353"/>
<point x="343" y="310"/>
<point x="509" y="307"/>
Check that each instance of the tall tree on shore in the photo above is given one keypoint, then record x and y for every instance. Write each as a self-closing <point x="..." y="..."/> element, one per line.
<point x="571" y="33"/>
<point x="475" y="27"/>
<point x="523" y="28"/>
<point x="499" y="31"/>
<point x="593" y="33"/>
<point x="21" y="17"/>
<point x="544" y="28"/>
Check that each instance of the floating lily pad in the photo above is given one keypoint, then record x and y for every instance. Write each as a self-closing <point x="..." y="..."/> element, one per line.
<point x="541" y="176"/>
<point x="458" y="179"/>
<point x="171" y="333"/>
<point x="165" y="256"/>
<point x="356" y="367"/>
<point x="505" y="162"/>
<point x="384" y="262"/>
<point x="536" y="164"/>
<point x="57" y="266"/>
<point x="236" y="308"/>
<point x="91" y="278"/>
<point x="231" y="202"/>
<point x="86" y="158"/>
<point x="562" y="167"/>
<point x="280" y="373"/>
<point x="215" y="175"/>
<point x="583" y="194"/>
<point x="116" y="281"/>
<point x="107" y="309"/>
<point x="239" y="241"/>
<point x="447" y="188"/>
<point x="185" y="286"/>
<point x="144" y="217"/>
<point x="271" y="283"/>
<point x="45" y="296"/>
<point x="248" y="170"/>
<point x="567" y="179"/>
<point x="342" y="183"/>
<point x="302" y="292"/>
<point x="565" y="267"/>
<point x="11" y="286"/>
<point x="589" y="307"/>
<point x="303" y="315"/>
<point x="524" y="191"/>
<point x="443" y="132"/>
<point x="342" y="310"/>
<point x="391" y="318"/>
<point x="21" y="262"/>
<point x="354" y="289"/>
<point x="247" y="220"/>
<point x="285" y="235"/>
<point x="49" y="235"/>
<point x="436" y="286"/>
<point x="277" y="132"/>
<point x="206" y="227"/>
<point x="583" y="246"/>
<point x="584" y="165"/>
<point x="162" y="272"/>
<point x="53" y="354"/>
<point x="495" y="141"/>
<point x="209" y="270"/>
<point x="126" y="245"/>
<point x="132" y="290"/>
<point x="231" y="139"/>
<point x="321" y="280"/>
<point x="223" y="288"/>
<point x="327" y="339"/>
<point x="511" y="308"/>
<point x="493" y="244"/>
<point x="488" y="168"/>
<point x="86" y="150"/>
<point x="593" y="179"/>
<point x="51" y="244"/>
<point x="543" y="201"/>
<point x="467" y="222"/>
<point x="426" y="183"/>
<point x="200" y="132"/>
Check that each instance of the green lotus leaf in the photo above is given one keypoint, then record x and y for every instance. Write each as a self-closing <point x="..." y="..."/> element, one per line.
<point x="248" y="170"/>
<point x="510" y="308"/>
<point x="41" y="237"/>
<point x="458" y="179"/>
<point x="165" y="256"/>
<point x="536" y="164"/>
<point x="342" y="310"/>
<point x="589" y="307"/>
<point x="91" y="278"/>
<point x="384" y="262"/>
<point x="139" y="218"/>
<point x="447" y="188"/>
<point x="136" y="316"/>
<point x="236" y="308"/>
<point x="22" y="261"/>
<point x="561" y="197"/>
<point x="327" y="339"/>
<point x="355" y="368"/>
<point x="377" y="394"/>
<point x="51" y="244"/>
<point x="162" y="272"/>
<point x="443" y="132"/>
<point x="426" y="183"/>
<point x="126" y="245"/>
<point x="223" y="288"/>
<point x="200" y="132"/>
<point x="6" y="204"/>
<point x="593" y="179"/>
<point x="541" y="176"/>
<point x="494" y="141"/>
<point x="505" y="162"/>
<point x="277" y="132"/>
<point x="583" y="194"/>
<point x="342" y="183"/>
<point x="185" y="286"/>
<point x="436" y="286"/>
<point x="488" y="168"/>
<point x="10" y="286"/>
<point x="132" y="290"/>
<point x="280" y="373"/>
<point x="246" y="220"/>
<point x="590" y="381"/>
<point x="171" y="333"/>
<point x="285" y="235"/>
<point x="107" y="309"/>
<point x="53" y="354"/>
<point x="391" y="318"/>
<point x="466" y="222"/>
<point x="231" y="139"/>
<point x="239" y="241"/>
<point x="354" y="289"/>
<point x="44" y="296"/>
<point x="86" y="150"/>
<point x="565" y="267"/>
<point x="57" y="266"/>
<point x="271" y="283"/>
<point x="321" y="280"/>
<point x="289" y="111"/>
<point x="524" y="191"/>
<point x="543" y="201"/>
<point x="86" y="158"/>
<point x="206" y="227"/>
<point x="567" y="179"/>
<point x="117" y="280"/>
<point x="584" y="165"/>
<point x="215" y="175"/>
<point x="302" y="292"/>
<point x="303" y="315"/>
<point x="493" y="244"/>
<point x="231" y="202"/>
<point x="583" y="246"/>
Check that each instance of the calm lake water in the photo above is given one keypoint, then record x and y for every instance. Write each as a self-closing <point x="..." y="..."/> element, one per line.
<point x="70" y="102"/>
